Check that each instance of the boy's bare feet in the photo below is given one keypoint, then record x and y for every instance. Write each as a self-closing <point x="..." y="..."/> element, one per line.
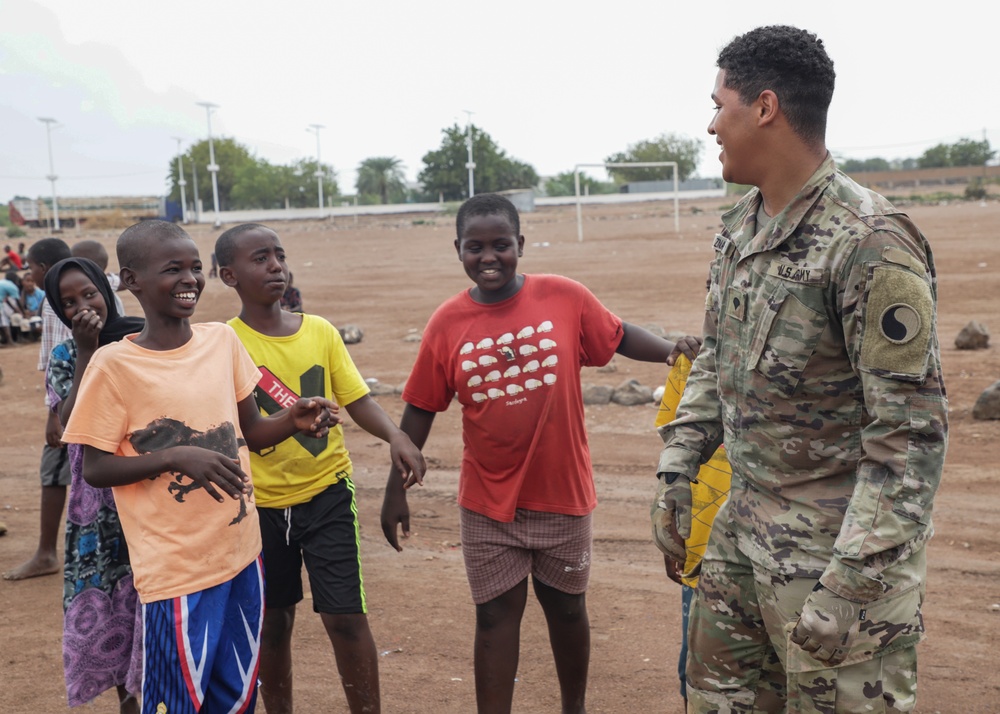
<point x="39" y="565"/>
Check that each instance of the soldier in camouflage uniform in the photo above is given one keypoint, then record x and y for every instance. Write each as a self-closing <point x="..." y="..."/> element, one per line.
<point x="821" y="373"/>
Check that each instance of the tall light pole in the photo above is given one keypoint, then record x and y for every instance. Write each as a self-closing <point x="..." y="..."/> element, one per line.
<point x="213" y="167"/>
<point x="319" y="167"/>
<point x="470" y="164"/>
<point x="52" y="172"/>
<point x="181" y="182"/>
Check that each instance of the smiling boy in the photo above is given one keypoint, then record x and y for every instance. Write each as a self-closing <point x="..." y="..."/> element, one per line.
<point x="511" y="348"/>
<point x="167" y="418"/>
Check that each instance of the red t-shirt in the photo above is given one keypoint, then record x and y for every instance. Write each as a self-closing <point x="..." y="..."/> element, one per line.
<point x="515" y="367"/>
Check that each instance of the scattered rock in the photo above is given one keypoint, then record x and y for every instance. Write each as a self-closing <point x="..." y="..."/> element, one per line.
<point x="658" y="394"/>
<point x="413" y="337"/>
<point x="597" y="393"/>
<point x="377" y="388"/>
<point x="631" y="393"/>
<point x="973" y="336"/>
<point x="988" y="404"/>
<point x="352" y="334"/>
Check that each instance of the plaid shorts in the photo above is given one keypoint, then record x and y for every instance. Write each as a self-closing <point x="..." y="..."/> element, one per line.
<point x="552" y="547"/>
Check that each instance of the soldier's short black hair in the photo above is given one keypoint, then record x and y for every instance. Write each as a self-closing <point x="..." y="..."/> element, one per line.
<point x="225" y="245"/>
<point x="487" y="204"/>
<point x="790" y="62"/>
<point x="48" y="251"/>
<point x="133" y="244"/>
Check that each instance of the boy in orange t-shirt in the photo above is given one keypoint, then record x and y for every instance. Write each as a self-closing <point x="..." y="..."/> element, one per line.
<point x="167" y="418"/>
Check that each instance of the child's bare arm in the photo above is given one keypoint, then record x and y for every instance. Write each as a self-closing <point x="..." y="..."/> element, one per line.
<point x="87" y="326"/>
<point x="312" y="416"/>
<point x="416" y="423"/>
<point x="208" y="468"/>
<point x="642" y="345"/>
<point x="406" y="457"/>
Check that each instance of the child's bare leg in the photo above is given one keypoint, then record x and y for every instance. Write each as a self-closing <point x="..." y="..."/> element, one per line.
<point x="498" y="640"/>
<point x="569" y="634"/>
<point x="276" y="659"/>
<point x="44" y="561"/>
<point x="357" y="660"/>
<point x="127" y="703"/>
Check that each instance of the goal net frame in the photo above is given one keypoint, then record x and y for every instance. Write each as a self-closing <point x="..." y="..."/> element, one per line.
<point x="629" y="165"/>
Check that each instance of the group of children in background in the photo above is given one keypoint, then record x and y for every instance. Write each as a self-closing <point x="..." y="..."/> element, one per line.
<point x="195" y="569"/>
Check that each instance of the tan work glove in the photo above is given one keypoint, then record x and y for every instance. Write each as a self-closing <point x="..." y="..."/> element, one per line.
<point x="670" y="514"/>
<point x="828" y="625"/>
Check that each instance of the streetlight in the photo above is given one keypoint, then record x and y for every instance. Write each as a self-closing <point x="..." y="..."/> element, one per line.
<point x="52" y="172"/>
<point x="319" y="167"/>
<point x="181" y="182"/>
<point x="213" y="167"/>
<point x="470" y="164"/>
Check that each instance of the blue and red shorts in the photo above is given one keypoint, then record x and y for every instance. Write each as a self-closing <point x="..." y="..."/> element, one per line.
<point x="201" y="651"/>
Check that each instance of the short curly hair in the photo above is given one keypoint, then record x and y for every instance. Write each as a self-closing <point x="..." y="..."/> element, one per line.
<point x="790" y="62"/>
<point x="487" y="204"/>
<point x="133" y="244"/>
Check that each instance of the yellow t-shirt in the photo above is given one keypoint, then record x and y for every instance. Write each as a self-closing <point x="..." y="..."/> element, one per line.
<point x="712" y="488"/>
<point x="134" y="401"/>
<point x="312" y="362"/>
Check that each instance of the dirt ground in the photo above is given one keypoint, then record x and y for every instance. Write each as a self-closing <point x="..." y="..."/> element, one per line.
<point x="386" y="275"/>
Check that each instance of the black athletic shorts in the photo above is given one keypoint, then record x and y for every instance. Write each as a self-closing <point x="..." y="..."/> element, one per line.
<point x="322" y="533"/>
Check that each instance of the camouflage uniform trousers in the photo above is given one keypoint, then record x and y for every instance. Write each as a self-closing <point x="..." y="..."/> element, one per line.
<point x="740" y="658"/>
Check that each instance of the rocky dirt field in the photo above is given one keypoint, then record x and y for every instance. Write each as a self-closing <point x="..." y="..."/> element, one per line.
<point x="386" y="275"/>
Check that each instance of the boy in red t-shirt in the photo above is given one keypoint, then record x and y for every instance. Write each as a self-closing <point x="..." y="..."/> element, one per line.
<point x="511" y="348"/>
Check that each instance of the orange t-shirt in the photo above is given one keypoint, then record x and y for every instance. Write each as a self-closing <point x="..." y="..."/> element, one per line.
<point x="133" y="401"/>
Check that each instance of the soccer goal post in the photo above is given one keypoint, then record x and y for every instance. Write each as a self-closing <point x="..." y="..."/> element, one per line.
<point x="629" y="165"/>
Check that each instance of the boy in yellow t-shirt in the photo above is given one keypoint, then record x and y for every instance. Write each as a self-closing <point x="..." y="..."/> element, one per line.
<point x="708" y="494"/>
<point x="305" y="495"/>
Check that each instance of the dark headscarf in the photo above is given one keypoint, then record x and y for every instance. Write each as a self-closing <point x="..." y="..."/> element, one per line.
<point x="116" y="326"/>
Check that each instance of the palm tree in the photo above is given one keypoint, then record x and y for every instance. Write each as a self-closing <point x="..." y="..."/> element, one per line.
<point x="380" y="176"/>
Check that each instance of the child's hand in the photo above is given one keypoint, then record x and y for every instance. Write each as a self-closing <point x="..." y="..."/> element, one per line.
<point x="407" y="459"/>
<point x="86" y="326"/>
<point x="675" y="569"/>
<point x="210" y="469"/>
<point x="688" y="346"/>
<point x="314" y="416"/>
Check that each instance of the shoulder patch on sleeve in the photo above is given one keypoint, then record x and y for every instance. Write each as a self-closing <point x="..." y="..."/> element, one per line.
<point x="898" y="319"/>
<point x="891" y="254"/>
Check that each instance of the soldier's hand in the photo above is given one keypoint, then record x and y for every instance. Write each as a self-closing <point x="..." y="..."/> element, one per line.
<point x="827" y="626"/>
<point x="670" y="514"/>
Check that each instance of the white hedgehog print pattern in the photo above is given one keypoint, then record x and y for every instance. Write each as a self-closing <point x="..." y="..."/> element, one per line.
<point x="506" y="368"/>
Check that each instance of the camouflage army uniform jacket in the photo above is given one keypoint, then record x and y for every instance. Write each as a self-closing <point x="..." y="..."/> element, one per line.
<point x="821" y="370"/>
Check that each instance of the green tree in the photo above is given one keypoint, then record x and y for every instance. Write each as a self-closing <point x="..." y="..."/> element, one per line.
<point x="445" y="172"/>
<point x="231" y="157"/>
<point x="381" y="178"/>
<point x="246" y="181"/>
<point x="967" y="152"/>
<point x="564" y="184"/>
<point x="935" y="157"/>
<point x="665" y="147"/>
<point x="851" y="166"/>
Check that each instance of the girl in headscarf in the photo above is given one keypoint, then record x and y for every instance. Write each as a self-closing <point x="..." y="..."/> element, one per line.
<point x="102" y="640"/>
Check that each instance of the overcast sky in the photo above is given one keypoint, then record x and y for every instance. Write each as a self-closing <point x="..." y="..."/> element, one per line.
<point x="554" y="83"/>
